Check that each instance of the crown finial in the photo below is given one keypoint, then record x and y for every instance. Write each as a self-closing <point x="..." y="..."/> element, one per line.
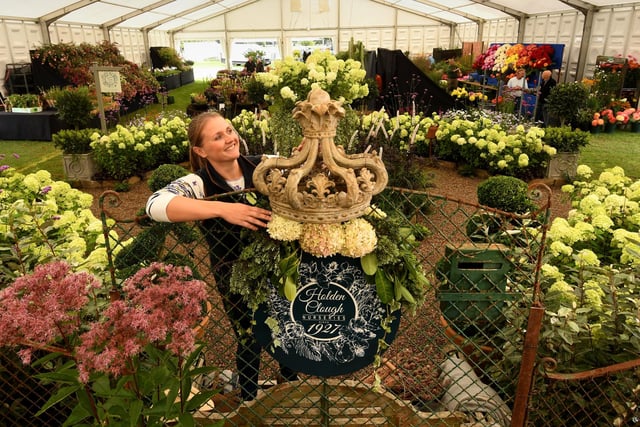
<point x="319" y="183"/>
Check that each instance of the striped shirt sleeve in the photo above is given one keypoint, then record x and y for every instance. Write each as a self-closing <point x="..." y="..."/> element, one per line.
<point x="190" y="186"/>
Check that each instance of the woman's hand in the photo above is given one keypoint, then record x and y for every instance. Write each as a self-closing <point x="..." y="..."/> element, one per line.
<point x="247" y="216"/>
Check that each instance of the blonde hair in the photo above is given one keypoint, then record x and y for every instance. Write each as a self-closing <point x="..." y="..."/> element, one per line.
<point x="194" y="134"/>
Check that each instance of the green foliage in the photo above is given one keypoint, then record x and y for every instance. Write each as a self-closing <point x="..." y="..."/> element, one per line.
<point x="355" y="50"/>
<point x="170" y="58"/>
<point x="136" y="149"/>
<point x="566" y="140"/>
<point x="149" y="246"/>
<point x="165" y="174"/>
<point x="74" y="106"/>
<point x="287" y="132"/>
<point x="73" y="141"/>
<point x="23" y="101"/>
<point x="31" y="232"/>
<point x="145" y="247"/>
<point x="506" y="193"/>
<point x="255" y="90"/>
<point x="482" y="227"/>
<point x="122" y="187"/>
<point x="566" y="100"/>
<point x="255" y="269"/>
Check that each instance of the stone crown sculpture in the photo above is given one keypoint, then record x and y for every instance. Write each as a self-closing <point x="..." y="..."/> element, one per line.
<point x="319" y="183"/>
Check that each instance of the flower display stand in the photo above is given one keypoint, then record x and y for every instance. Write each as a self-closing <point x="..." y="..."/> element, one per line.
<point x="563" y="165"/>
<point x="186" y="77"/>
<point x="170" y="82"/>
<point x="79" y="167"/>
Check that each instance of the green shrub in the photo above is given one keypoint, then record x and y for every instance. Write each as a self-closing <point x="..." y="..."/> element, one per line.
<point x="73" y="141"/>
<point x="566" y="100"/>
<point x="74" y="106"/>
<point x="164" y="175"/>
<point x="506" y="193"/>
<point x="566" y="140"/>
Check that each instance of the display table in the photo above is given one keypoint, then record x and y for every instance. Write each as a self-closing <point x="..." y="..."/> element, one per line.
<point x="29" y="126"/>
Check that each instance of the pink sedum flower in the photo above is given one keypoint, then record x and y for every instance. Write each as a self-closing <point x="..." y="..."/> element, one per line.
<point x="44" y="308"/>
<point x="161" y="304"/>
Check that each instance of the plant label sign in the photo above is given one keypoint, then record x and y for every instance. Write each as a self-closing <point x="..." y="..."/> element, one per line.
<point x="333" y="324"/>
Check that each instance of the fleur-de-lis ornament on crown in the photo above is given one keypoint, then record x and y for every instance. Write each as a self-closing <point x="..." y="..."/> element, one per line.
<point x="320" y="183"/>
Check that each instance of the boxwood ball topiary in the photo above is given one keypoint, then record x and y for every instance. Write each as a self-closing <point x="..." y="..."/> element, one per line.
<point x="507" y="193"/>
<point x="165" y="174"/>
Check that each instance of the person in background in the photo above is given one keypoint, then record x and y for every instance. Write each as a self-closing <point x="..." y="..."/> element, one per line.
<point x="547" y="83"/>
<point x="453" y="73"/>
<point x="516" y="86"/>
<point x="218" y="168"/>
<point x="250" y="65"/>
<point x="259" y="66"/>
<point x="431" y="60"/>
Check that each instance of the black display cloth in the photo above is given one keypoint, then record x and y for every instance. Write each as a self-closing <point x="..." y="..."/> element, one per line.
<point x="405" y="87"/>
<point x="29" y="126"/>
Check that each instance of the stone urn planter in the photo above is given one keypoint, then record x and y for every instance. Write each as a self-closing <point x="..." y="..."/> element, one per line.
<point x="79" y="167"/>
<point x="563" y="165"/>
<point x="77" y="155"/>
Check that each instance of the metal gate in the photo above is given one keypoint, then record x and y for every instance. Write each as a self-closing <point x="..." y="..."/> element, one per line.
<point x="451" y="363"/>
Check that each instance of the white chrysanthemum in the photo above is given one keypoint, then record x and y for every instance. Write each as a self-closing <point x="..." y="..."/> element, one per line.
<point x="359" y="238"/>
<point x="281" y="228"/>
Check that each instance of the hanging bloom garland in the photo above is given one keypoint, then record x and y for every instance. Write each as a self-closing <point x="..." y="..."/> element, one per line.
<point x="500" y="58"/>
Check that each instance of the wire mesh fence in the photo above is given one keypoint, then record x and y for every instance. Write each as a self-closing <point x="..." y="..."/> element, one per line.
<point x="460" y="359"/>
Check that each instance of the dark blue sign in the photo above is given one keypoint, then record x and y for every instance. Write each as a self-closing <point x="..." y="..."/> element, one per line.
<point x="332" y="326"/>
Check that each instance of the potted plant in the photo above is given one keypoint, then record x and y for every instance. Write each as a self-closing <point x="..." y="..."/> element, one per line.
<point x="566" y="100"/>
<point x="567" y="143"/>
<point x="74" y="106"/>
<point x="27" y="103"/>
<point x="77" y="154"/>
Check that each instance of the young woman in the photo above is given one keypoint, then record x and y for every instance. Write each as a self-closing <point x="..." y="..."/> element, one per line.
<point x="219" y="168"/>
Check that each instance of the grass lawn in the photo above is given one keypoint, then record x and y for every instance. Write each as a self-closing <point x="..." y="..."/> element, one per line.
<point x="606" y="150"/>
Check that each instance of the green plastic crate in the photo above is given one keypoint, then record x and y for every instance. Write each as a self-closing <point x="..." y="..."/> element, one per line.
<point x="473" y="283"/>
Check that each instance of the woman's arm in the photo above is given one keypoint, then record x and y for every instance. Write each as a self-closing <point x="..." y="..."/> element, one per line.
<point x="181" y="209"/>
<point x="182" y="200"/>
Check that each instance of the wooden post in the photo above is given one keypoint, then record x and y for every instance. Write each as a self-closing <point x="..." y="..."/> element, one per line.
<point x="107" y="81"/>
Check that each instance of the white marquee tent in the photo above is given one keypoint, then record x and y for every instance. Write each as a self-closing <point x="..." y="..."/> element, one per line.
<point x="586" y="28"/>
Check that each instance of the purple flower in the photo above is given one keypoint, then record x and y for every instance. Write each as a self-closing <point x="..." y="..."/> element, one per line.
<point x="16" y="155"/>
<point x="4" y="168"/>
<point x="45" y="190"/>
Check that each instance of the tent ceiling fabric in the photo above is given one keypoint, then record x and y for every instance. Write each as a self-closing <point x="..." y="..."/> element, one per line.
<point x="170" y="15"/>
